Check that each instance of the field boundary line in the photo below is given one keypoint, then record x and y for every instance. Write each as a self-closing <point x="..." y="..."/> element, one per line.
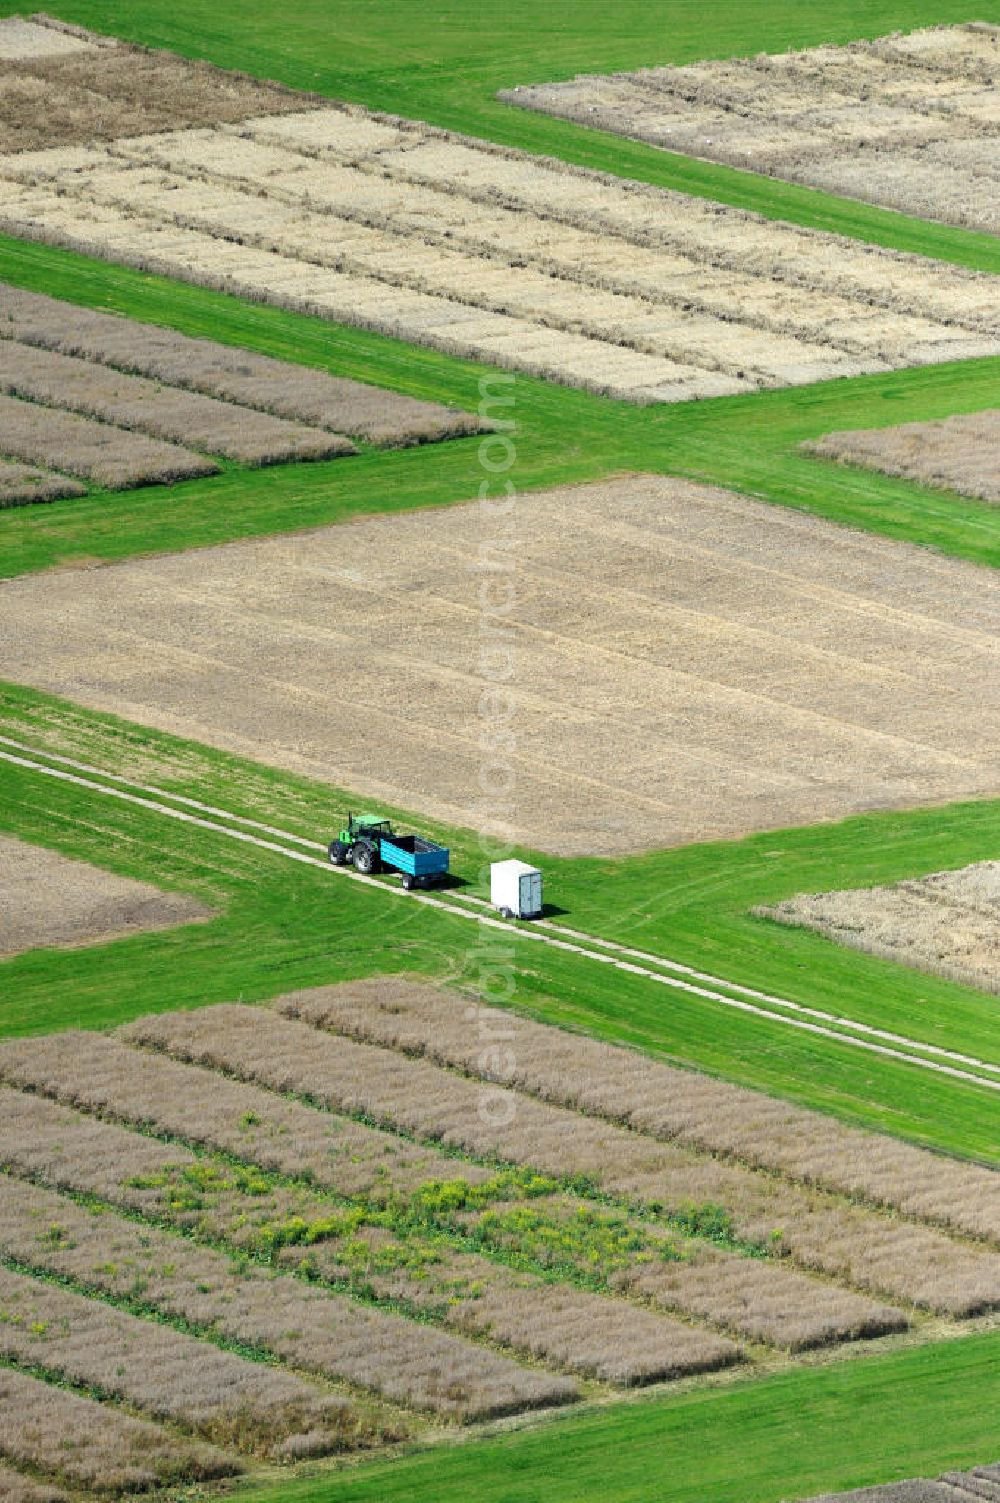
<point x="600" y="951"/>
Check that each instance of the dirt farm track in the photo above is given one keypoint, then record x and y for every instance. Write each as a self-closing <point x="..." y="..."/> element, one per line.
<point x="677" y="672"/>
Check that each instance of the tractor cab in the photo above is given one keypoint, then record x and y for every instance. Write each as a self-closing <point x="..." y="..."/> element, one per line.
<point x="368" y="826"/>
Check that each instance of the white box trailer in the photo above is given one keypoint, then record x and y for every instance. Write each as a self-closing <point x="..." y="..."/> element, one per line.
<point x="516" y="889"/>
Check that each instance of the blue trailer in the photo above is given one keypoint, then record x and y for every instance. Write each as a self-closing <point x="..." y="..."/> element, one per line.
<point x="368" y="843"/>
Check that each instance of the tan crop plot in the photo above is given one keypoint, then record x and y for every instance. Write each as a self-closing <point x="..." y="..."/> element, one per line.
<point x="959" y="453"/>
<point x="21" y="484"/>
<point x="16" y="1487"/>
<point x="889" y="1256"/>
<point x="679" y="673"/>
<point x="947" y="923"/>
<point x="47" y="899"/>
<point x="237" y="376"/>
<point x="113" y="457"/>
<point x="145" y="406"/>
<point x="907" y="122"/>
<point x="491" y="254"/>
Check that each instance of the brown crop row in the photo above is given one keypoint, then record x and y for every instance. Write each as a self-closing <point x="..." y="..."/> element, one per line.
<point x="664" y="1102"/>
<point x="15" y="1487"/>
<point x="759" y="1299"/>
<point x="112" y="457"/>
<point x="891" y="1257"/>
<point x="20" y="484"/>
<point x="580" y="1331"/>
<point x="960" y="453"/>
<point x="232" y="375"/>
<point x="309" y="1328"/>
<point x="165" y="412"/>
<point x="223" y="1398"/>
<point x="87" y="1444"/>
<point x="945" y="923"/>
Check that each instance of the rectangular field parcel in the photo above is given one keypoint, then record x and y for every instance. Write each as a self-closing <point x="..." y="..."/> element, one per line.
<point x="959" y="453"/>
<point x="491" y="254"/>
<point x="681" y="673"/>
<point x="947" y="923"/>
<point x="909" y="122"/>
<point x="46" y="899"/>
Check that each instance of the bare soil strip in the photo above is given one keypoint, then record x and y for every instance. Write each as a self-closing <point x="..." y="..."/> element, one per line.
<point x="297" y="393"/>
<point x="21" y="484"/>
<point x="680" y="675"/>
<point x="309" y="1328"/>
<point x="113" y="457"/>
<point x="859" y="1246"/>
<point x="906" y="122"/>
<point x="680" y="1105"/>
<point x="145" y="406"/>
<point x="47" y="899"/>
<point x="87" y="1444"/>
<point x="21" y="40"/>
<point x="494" y="255"/>
<point x="223" y="1398"/>
<point x="960" y="453"/>
<point x="947" y="923"/>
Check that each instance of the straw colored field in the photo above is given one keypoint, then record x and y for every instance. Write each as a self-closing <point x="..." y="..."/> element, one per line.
<point x="907" y="122"/>
<point x="887" y="1255"/>
<point x="243" y="377"/>
<point x="60" y="88"/>
<point x="47" y="900"/>
<point x="947" y="923"/>
<point x="20" y="484"/>
<point x="133" y="402"/>
<point x="486" y="253"/>
<point x="960" y="453"/>
<point x="680" y="675"/>
<point x="982" y="1482"/>
<point x="16" y="1487"/>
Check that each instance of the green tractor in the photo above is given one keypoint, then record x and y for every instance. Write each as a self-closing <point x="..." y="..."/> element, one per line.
<point x="360" y="843"/>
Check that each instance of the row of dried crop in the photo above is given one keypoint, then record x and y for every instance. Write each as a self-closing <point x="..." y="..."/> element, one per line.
<point x="818" y="1230"/>
<point x="385" y="1251"/>
<point x="156" y="1270"/>
<point x="169" y="1375"/>
<point x="20" y="484"/>
<point x="960" y="453"/>
<point x="660" y="1100"/>
<point x="243" y="377"/>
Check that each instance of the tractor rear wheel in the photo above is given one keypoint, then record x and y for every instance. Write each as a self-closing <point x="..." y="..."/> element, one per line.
<point x="366" y="859"/>
<point x="338" y="853"/>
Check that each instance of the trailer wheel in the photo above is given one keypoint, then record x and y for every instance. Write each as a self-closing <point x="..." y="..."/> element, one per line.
<point x="407" y="882"/>
<point x="506" y="913"/>
<point x="338" y="853"/>
<point x="366" y="860"/>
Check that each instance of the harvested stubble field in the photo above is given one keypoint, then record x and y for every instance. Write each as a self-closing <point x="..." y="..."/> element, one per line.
<point x="21" y="484"/>
<point x="681" y="675"/>
<point x="981" y="1482"/>
<point x="908" y="122"/>
<point x="116" y="458"/>
<point x="818" y="1231"/>
<point x="947" y="923"/>
<point x="46" y="899"/>
<point x="305" y="396"/>
<point x="960" y="453"/>
<point x="488" y="253"/>
<point x="144" y="406"/>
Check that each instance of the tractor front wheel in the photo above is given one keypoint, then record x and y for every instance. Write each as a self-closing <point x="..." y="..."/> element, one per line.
<point x="338" y="853"/>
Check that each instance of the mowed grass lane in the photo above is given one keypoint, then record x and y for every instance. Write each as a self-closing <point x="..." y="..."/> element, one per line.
<point x="787" y="1437"/>
<point x="749" y="444"/>
<point x="283" y="926"/>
